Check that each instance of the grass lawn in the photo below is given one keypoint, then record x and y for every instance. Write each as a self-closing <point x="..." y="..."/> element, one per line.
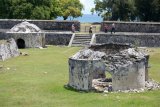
<point x="38" y="80"/>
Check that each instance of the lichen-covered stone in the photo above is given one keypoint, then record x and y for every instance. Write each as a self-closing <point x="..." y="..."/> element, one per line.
<point x="25" y="27"/>
<point x="82" y="72"/>
<point x="128" y="67"/>
<point x="8" y="49"/>
<point x="27" y="35"/>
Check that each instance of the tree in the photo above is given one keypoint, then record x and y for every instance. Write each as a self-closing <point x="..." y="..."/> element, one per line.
<point x="29" y="9"/>
<point x="148" y="10"/>
<point x="4" y="8"/>
<point x="70" y="8"/>
<point x="115" y="9"/>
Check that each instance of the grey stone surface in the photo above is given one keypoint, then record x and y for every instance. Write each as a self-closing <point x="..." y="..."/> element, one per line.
<point x="88" y="54"/>
<point x="25" y="27"/>
<point x="53" y="38"/>
<point x="127" y="66"/>
<point x="148" y="27"/>
<point x="27" y="35"/>
<point x="8" y="49"/>
<point x="82" y="72"/>
<point x="31" y="40"/>
<point x="138" y="39"/>
<point x="42" y="24"/>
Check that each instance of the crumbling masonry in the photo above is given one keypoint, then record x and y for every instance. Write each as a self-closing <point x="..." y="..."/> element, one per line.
<point x="127" y="65"/>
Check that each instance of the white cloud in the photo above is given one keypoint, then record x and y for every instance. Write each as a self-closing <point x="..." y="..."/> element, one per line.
<point x="88" y="5"/>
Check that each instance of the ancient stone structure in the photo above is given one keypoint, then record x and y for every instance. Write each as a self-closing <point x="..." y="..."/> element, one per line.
<point x="27" y="35"/>
<point x="141" y="33"/>
<point x="42" y="24"/>
<point x="57" y="38"/>
<point x="128" y="67"/>
<point x="138" y="39"/>
<point x="8" y="49"/>
<point x="145" y="27"/>
<point x="83" y="71"/>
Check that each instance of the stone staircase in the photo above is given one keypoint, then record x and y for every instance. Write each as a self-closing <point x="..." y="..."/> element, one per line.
<point x="80" y="40"/>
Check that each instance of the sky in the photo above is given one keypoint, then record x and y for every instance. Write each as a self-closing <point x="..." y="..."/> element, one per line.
<point x="88" y="5"/>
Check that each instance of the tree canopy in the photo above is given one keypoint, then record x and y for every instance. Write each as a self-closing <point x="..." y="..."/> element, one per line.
<point x="148" y="10"/>
<point x="145" y="10"/>
<point x="70" y="8"/>
<point x="39" y="9"/>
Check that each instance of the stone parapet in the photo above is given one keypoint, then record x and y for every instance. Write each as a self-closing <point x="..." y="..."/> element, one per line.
<point x="42" y="24"/>
<point x="53" y="38"/>
<point x="120" y="26"/>
<point x="137" y="39"/>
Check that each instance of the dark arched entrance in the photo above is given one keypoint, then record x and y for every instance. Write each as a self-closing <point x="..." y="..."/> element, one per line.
<point x="20" y="43"/>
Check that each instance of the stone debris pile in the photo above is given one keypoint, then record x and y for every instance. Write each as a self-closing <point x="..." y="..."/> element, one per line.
<point x="88" y="54"/>
<point x="8" y="49"/>
<point x="122" y="59"/>
<point x="25" y="27"/>
<point x="103" y="85"/>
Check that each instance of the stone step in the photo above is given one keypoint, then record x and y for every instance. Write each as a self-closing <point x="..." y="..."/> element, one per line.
<point x="81" y="40"/>
<point x="80" y="45"/>
<point x="87" y="37"/>
<point x="85" y="42"/>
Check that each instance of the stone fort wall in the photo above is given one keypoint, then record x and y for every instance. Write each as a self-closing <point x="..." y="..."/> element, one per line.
<point x="151" y="37"/>
<point x="51" y="38"/>
<point x="42" y="24"/>
<point x="146" y="27"/>
<point x="137" y="39"/>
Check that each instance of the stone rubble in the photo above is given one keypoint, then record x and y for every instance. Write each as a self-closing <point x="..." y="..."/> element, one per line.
<point x="8" y="49"/>
<point x="25" y="27"/>
<point x="88" y="54"/>
<point x="122" y="59"/>
<point x="113" y="62"/>
<point x="24" y="54"/>
<point x="100" y="85"/>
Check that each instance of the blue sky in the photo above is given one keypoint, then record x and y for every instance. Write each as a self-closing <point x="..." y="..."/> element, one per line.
<point x="88" y="4"/>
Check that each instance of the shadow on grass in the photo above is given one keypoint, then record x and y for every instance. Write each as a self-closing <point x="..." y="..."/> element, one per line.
<point x="80" y="91"/>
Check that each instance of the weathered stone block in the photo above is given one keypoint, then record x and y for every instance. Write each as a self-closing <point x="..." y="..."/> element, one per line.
<point x="8" y="49"/>
<point x="129" y="77"/>
<point x="82" y="72"/>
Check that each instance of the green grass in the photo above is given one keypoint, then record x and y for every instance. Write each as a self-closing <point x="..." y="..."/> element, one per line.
<point x="38" y="80"/>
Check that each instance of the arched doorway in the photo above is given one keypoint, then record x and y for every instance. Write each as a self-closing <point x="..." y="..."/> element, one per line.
<point x="20" y="43"/>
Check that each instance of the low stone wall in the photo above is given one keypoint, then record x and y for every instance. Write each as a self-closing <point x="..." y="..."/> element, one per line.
<point x="8" y="49"/>
<point x="148" y="27"/>
<point x="3" y="36"/>
<point x="138" y="39"/>
<point x="31" y="40"/>
<point x="57" y="38"/>
<point x="51" y="38"/>
<point x="42" y="24"/>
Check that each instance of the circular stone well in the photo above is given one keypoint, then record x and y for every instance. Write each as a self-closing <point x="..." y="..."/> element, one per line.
<point x="84" y="67"/>
<point x="127" y="65"/>
<point x="27" y="35"/>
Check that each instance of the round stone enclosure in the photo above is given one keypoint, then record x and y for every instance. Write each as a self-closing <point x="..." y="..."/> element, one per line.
<point x="127" y="66"/>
